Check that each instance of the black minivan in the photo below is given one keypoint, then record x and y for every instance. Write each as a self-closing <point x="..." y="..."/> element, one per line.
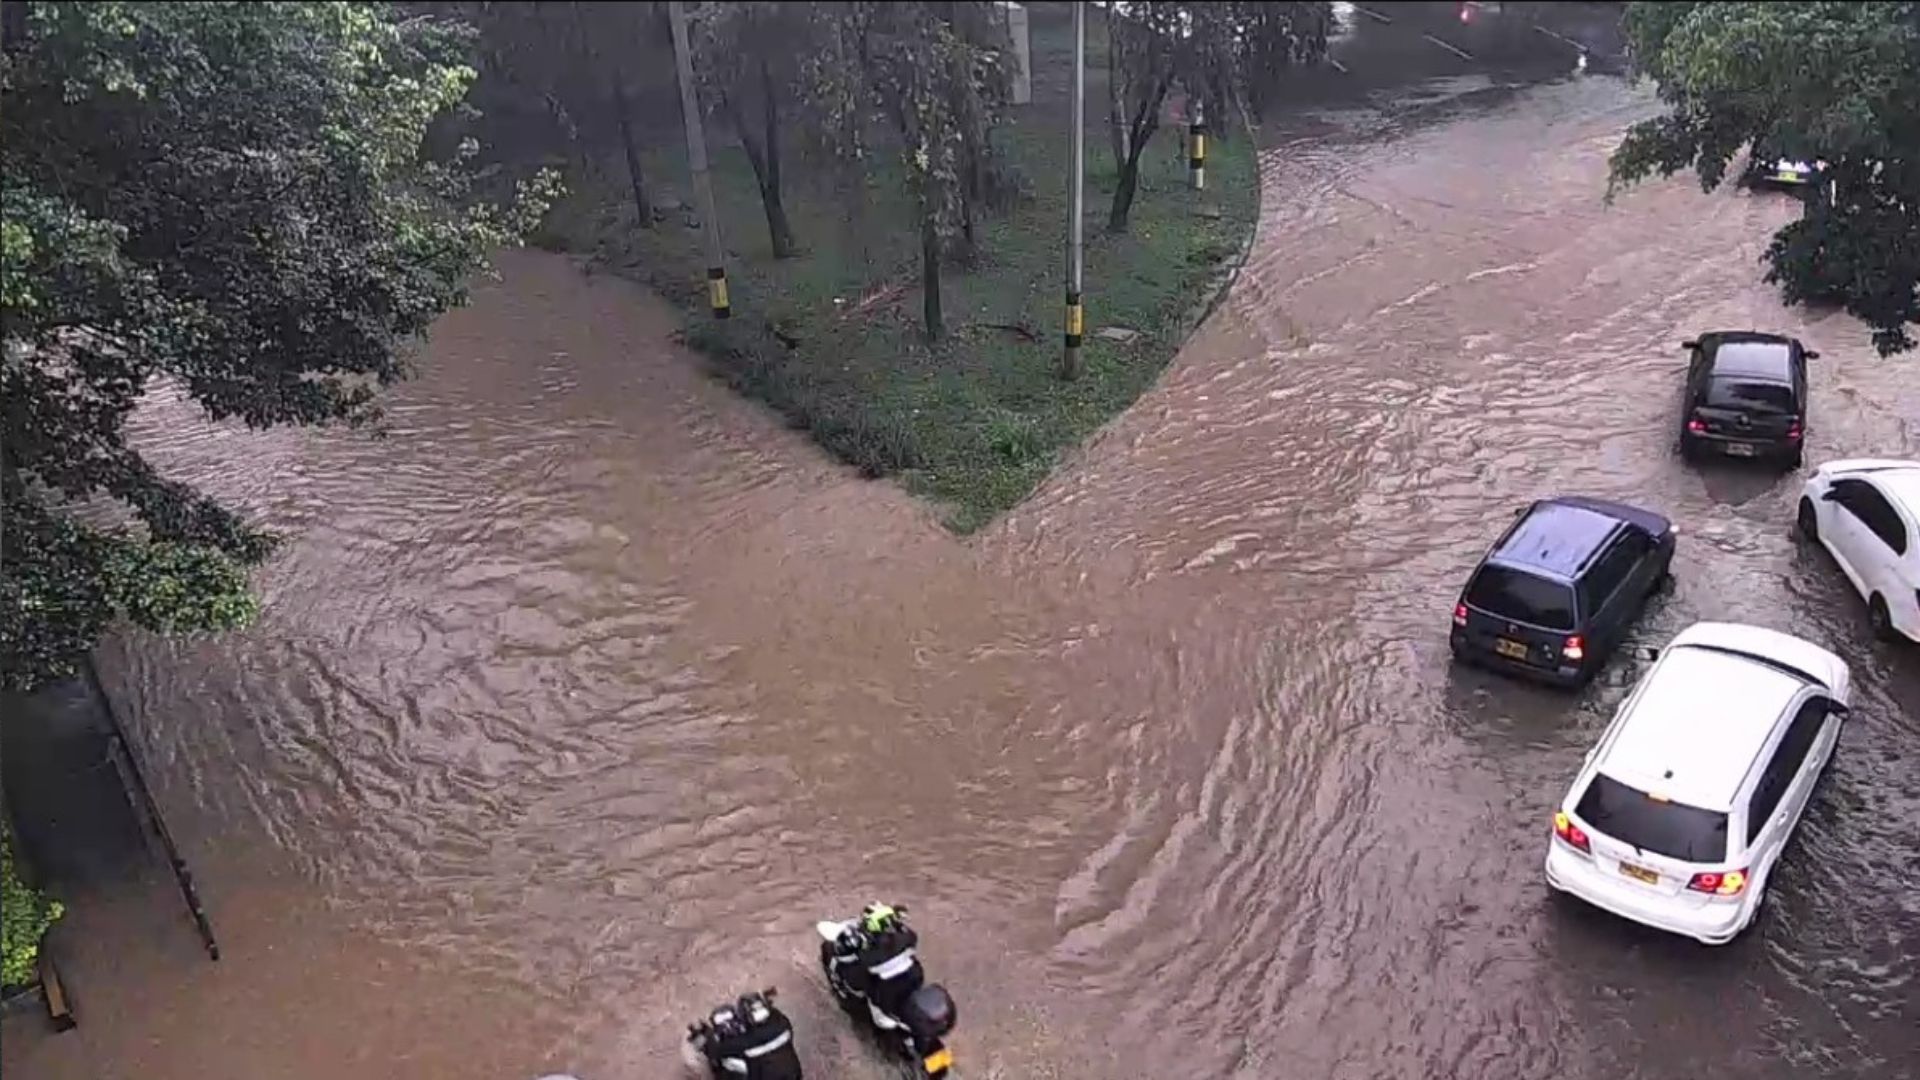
<point x="1746" y="397"/>
<point x="1558" y="591"/>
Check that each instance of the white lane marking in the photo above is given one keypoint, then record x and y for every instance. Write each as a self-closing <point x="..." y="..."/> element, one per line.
<point x="1561" y="38"/>
<point x="1374" y="15"/>
<point x="1461" y="53"/>
<point x="1337" y="65"/>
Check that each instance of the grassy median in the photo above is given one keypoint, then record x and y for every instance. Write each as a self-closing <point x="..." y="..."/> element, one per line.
<point x="831" y="338"/>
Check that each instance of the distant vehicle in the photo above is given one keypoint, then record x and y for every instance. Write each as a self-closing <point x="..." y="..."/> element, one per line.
<point x="1681" y="812"/>
<point x="1746" y="397"/>
<point x="1556" y="594"/>
<point x="1765" y="168"/>
<point x="1866" y="513"/>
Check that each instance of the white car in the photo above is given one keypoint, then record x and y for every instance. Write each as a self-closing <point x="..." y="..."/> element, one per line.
<point x="1866" y="512"/>
<point x="1683" y="808"/>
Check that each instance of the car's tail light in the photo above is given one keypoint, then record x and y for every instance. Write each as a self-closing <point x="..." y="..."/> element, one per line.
<point x="1575" y="648"/>
<point x="1793" y="430"/>
<point x="1696" y="426"/>
<point x="1724" y="883"/>
<point x="1460" y="614"/>
<point x="1574" y="835"/>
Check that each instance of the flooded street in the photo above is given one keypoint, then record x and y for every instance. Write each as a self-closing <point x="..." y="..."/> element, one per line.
<point x="584" y="692"/>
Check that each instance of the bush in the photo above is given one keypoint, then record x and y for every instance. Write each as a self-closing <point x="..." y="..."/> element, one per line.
<point x="27" y="915"/>
<point x="1015" y="438"/>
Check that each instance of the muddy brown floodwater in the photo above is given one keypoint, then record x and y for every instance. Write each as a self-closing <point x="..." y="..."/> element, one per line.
<point x="582" y="694"/>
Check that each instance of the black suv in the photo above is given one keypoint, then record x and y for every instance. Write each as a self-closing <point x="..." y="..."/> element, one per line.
<point x="1746" y="397"/>
<point x="1557" y="592"/>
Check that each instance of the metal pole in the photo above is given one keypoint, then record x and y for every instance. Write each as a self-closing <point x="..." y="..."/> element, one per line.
<point x="697" y="157"/>
<point x="1197" y="144"/>
<point x="149" y="807"/>
<point x="1077" y="140"/>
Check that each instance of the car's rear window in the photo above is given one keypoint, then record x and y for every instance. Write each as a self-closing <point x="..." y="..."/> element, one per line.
<point x="1757" y="397"/>
<point x="1522" y="597"/>
<point x="1631" y="816"/>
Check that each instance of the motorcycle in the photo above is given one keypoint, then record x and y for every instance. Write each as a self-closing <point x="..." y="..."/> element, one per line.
<point x="917" y="1036"/>
<point x="715" y="1043"/>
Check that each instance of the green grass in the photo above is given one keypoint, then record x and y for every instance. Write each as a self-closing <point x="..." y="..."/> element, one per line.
<point x="976" y="421"/>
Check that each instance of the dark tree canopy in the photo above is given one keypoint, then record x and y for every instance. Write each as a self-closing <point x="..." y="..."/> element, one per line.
<point x="234" y="198"/>
<point x="1836" y="83"/>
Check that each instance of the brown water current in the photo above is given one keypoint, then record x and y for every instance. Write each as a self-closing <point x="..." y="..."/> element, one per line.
<point x="580" y="695"/>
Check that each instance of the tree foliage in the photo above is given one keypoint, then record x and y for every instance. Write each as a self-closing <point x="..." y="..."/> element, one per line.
<point x="1837" y="83"/>
<point x="24" y="920"/>
<point x="237" y="199"/>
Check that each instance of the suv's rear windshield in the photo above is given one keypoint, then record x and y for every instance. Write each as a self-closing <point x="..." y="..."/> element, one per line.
<point x="1631" y="816"/>
<point x="1756" y="397"/>
<point x="1522" y="597"/>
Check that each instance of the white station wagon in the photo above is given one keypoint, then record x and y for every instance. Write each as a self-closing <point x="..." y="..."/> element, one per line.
<point x="1683" y="808"/>
<point x="1866" y="513"/>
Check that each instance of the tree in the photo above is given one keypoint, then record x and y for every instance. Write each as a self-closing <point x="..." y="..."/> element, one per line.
<point x="1213" y="50"/>
<point x="1837" y="83"/>
<point x="234" y="199"/>
<point x="614" y="20"/>
<point x="746" y="56"/>
<point x="906" y="63"/>
<point x="578" y="60"/>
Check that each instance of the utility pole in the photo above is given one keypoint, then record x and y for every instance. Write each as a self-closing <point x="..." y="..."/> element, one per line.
<point x="697" y="157"/>
<point x="1077" y="140"/>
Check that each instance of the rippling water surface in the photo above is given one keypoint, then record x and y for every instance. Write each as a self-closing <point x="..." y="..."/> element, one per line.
<point x="593" y="687"/>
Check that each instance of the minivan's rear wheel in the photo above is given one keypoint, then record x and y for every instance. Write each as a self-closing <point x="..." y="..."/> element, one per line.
<point x="1880" y="618"/>
<point x="1809" y="521"/>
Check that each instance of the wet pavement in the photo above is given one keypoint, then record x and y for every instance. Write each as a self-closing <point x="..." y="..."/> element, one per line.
<point x="583" y="693"/>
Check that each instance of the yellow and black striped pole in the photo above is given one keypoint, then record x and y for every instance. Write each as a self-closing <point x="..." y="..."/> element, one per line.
<point x="1197" y="149"/>
<point x="1077" y="173"/>
<point x="697" y="158"/>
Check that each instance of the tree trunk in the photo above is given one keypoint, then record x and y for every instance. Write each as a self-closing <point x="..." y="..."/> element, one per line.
<point x="930" y="274"/>
<point x="623" y="108"/>
<point x="1145" y="123"/>
<point x="1123" y="193"/>
<point x="969" y="192"/>
<point x="778" y="229"/>
<point x="1116" y="100"/>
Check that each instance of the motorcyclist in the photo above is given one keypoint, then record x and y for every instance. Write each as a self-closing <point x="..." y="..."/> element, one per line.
<point x="888" y="968"/>
<point x="752" y="1039"/>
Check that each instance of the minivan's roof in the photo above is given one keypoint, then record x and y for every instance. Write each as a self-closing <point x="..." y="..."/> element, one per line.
<point x="1698" y="724"/>
<point x="1555" y="538"/>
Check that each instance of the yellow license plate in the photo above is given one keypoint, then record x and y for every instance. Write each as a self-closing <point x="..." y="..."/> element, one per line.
<point x="1640" y="873"/>
<point x="939" y="1061"/>
<point x="1514" y="649"/>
